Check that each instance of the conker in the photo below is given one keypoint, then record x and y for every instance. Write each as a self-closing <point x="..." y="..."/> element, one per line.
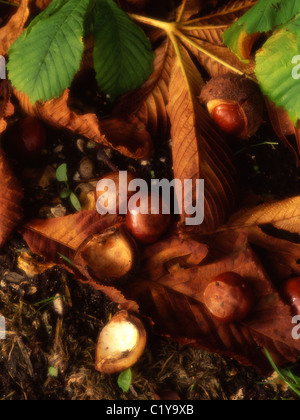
<point x="28" y="138"/>
<point x="230" y="117"/>
<point x="235" y="103"/>
<point x="148" y="228"/>
<point x="121" y="343"/>
<point x="229" y="298"/>
<point x="291" y="293"/>
<point x="115" y="177"/>
<point x="111" y="256"/>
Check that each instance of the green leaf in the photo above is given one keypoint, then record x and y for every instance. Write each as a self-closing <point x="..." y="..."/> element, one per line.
<point x="263" y="17"/>
<point x="44" y="60"/>
<point x="125" y="380"/>
<point x="67" y="260"/>
<point x="123" y="57"/>
<point x="61" y="173"/>
<point x="89" y="23"/>
<point x="52" y="371"/>
<point x="65" y="193"/>
<point x="282" y="374"/>
<point x="275" y="67"/>
<point x="75" y="202"/>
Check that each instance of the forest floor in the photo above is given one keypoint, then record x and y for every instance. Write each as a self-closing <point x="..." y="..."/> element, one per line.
<point x="49" y="351"/>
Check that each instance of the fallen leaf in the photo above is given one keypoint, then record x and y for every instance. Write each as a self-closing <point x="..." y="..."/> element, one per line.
<point x="283" y="127"/>
<point x="207" y="33"/>
<point x="275" y="227"/>
<point x="158" y="258"/>
<point x="31" y="266"/>
<point x="128" y="136"/>
<point x="199" y="151"/>
<point x="149" y="102"/>
<point x="10" y="200"/>
<point x="64" y="235"/>
<point x="14" y="27"/>
<point x="6" y="107"/>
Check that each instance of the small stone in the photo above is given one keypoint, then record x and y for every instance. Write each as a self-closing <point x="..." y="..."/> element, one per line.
<point x="58" y="211"/>
<point x="86" y="168"/>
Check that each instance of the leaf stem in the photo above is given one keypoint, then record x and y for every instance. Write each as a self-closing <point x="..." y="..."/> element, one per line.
<point x="181" y="12"/>
<point x="166" y="26"/>
<point x="198" y="28"/>
<point x="173" y="29"/>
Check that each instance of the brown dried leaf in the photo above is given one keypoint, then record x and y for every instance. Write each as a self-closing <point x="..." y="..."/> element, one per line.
<point x="175" y="303"/>
<point x="283" y="127"/>
<point x="157" y="259"/>
<point x="64" y="235"/>
<point x="199" y="151"/>
<point x="31" y="266"/>
<point x="224" y="16"/>
<point x="11" y="195"/>
<point x="126" y="135"/>
<point x="14" y="27"/>
<point x="275" y="227"/>
<point x="6" y="107"/>
<point x="149" y="102"/>
<point x="207" y="33"/>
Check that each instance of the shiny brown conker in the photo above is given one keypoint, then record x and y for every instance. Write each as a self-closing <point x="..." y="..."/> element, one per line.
<point x="148" y="228"/>
<point x="117" y="198"/>
<point x="291" y="293"/>
<point x="229" y="298"/>
<point x="230" y="118"/>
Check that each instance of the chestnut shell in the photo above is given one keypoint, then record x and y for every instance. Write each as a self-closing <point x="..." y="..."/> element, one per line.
<point x="235" y="89"/>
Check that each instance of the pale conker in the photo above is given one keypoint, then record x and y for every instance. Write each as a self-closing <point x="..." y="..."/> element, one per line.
<point x="111" y="256"/>
<point x="229" y="298"/>
<point x="121" y="343"/>
<point x="148" y="228"/>
<point x="291" y="293"/>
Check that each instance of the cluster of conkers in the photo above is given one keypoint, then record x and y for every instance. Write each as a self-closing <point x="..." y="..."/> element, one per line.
<point x="113" y="255"/>
<point x="235" y="103"/>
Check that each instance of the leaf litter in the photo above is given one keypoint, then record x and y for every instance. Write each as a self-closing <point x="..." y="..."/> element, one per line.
<point x="40" y="340"/>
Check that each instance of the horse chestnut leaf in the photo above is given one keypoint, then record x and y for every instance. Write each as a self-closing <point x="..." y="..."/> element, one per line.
<point x="229" y="298"/>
